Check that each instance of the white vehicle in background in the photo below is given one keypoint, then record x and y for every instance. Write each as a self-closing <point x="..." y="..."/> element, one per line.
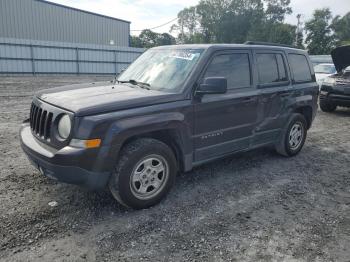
<point x="322" y="71"/>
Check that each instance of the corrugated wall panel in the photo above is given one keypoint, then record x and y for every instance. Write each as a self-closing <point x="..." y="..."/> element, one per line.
<point x="97" y="68"/>
<point x="127" y="57"/>
<point x="8" y="51"/>
<point x="121" y="67"/>
<point x="54" y="53"/>
<point x="58" y="57"/>
<point x="39" y="20"/>
<point x="15" y="66"/>
<point x="91" y="55"/>
<point x="55" y="67"/>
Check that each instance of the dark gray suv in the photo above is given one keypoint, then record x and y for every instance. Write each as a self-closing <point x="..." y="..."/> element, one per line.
<point x="174" y="108"/>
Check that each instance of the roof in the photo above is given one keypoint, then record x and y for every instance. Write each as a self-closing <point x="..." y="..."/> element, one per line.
<point x="82" y="11"/>
<point x="228" y="46"/>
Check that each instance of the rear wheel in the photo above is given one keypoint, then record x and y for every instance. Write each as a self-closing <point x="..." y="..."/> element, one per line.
<point x="327" y="107"/>
<point x="293" y="137"/>
<point x="144" y="174"/>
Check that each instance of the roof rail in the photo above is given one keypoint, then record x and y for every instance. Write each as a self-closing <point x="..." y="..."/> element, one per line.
<point x="267" y="43"/>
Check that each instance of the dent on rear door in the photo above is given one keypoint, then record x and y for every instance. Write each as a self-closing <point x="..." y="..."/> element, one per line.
<point x="275" y="93"/>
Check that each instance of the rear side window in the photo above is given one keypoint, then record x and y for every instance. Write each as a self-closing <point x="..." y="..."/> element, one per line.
<point x="300" y="68"/>
<point x="271" y="68"/>
<point x="234" y="67"/>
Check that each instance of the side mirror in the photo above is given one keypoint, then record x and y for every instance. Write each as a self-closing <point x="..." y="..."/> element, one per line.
<point x="212" y="85"/>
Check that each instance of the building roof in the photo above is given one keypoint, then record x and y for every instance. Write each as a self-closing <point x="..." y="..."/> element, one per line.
<point x="83" y="11"/>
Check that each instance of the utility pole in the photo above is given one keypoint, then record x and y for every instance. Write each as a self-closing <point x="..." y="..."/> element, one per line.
<point x="298" y="29"/>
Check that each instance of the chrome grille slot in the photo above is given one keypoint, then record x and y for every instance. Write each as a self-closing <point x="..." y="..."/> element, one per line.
<point x="37" y="121"/>
<point x="40" y="122"/>
<point x="47" y="128"/>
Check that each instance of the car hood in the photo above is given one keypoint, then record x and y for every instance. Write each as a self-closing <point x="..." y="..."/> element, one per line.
<point x="97" y="98"/>
<point x="341" y="57"/>
<point x="322" y="75"/>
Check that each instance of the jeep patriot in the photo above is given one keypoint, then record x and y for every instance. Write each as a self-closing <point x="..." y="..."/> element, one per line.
<point x="174" y="108"/>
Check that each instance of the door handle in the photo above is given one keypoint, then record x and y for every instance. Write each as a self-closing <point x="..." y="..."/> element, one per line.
<point x="285" y="94"/>
<point x="248" y="99"/>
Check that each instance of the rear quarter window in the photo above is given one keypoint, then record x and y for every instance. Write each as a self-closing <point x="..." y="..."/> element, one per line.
<point x="300" y="68"/>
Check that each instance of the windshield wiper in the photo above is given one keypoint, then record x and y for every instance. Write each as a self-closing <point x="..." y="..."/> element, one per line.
<point x="137" y="83"/>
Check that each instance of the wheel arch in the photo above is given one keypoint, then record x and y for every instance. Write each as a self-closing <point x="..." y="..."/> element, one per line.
<point x="170" y="137"/>
<point x="306" y="111"/>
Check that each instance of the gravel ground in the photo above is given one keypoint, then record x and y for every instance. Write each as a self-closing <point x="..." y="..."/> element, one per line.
<point x="255" y="206"/>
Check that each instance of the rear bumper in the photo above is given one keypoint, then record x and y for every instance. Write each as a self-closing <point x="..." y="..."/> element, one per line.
<point x="62" y="165"/>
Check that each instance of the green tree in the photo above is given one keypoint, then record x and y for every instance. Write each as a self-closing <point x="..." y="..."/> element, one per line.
<point x="165" y="39"/>
<point x="135" y="41"/>
<point x="319" y="37"/>
<point x="187" y="25"/>
<point x="268" y="31"/>
<point x="341" y="27"/>
<point x="229" y="21"/>
<point x="148" y="39"/>
<point x="235" y="21"/>
<point x="276" y="10"/>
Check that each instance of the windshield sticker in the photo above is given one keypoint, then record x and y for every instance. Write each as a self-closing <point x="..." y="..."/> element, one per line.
<point x="184" y="55"/>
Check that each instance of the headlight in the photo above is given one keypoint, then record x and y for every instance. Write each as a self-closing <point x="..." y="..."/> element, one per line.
<point x="64" y="126"/>
<point x="328" y="81"/>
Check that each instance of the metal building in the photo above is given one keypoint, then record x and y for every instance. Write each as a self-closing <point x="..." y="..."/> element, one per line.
<point x="40" y="37"/>
<point x="45" y="21"/>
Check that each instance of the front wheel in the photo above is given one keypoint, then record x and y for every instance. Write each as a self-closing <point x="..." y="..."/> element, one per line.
<point x="144" y="174"/>
<point x="327" y="107"/>
<point x="293" y="136"/>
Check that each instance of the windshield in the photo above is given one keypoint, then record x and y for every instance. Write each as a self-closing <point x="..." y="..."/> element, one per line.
<point x="325" y="69"/>
<point x="164" y="70"/>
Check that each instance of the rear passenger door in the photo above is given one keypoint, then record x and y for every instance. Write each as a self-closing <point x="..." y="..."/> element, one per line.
<point x="224" y="123"/>
<point x="273" y="82"/>
<point x="304" y="82"/>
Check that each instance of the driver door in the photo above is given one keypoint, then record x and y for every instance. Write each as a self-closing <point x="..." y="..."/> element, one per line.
<point x="224" y="123"/>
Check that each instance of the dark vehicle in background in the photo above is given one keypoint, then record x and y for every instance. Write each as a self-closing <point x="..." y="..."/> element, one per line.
<point x="335" y="89"/>
<point x="174" y="108"/>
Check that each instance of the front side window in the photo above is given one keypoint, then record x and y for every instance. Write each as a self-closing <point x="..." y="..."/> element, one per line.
<point x="163" y="69"/>
<point x="234" y="67"/>
<point x="300" y="68"/>
<point x="271" y="68"/>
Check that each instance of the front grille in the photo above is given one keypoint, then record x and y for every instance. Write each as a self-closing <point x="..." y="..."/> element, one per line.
<point x="342" y="82"/>
<point x="40" y="122"/>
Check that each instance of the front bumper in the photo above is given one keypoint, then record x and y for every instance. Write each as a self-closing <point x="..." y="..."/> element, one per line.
<point x="65" y="165"/>
<point x="337" y="99"/>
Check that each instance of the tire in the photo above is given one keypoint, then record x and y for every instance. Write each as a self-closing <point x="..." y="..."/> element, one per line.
<point x="289" y="144"/>
<point x="144" y="173"/>
<point x="327" y="107"/>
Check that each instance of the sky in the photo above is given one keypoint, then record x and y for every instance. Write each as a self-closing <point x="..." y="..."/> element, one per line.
<point x="145" y="14"/>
